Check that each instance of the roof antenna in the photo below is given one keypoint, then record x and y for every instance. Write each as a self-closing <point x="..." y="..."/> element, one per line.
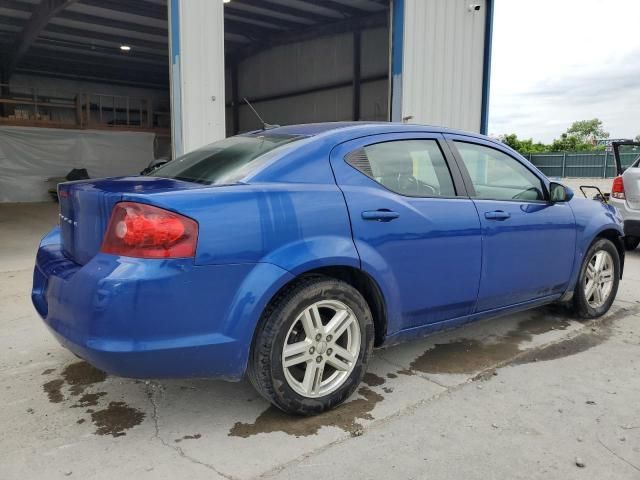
<point x="265" y="125"/>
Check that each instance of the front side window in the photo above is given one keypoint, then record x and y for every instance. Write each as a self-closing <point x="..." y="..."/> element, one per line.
<point x="497" y="176"/>
<point x="226" y="161"/>
<point x="415" y="168"/>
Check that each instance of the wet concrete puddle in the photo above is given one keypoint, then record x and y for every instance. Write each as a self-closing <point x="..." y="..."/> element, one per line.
<point x="461" y="356"/>
<point x="466" y="355"/>
<point x="76" y="378"/>
<point x="345" y="417"/>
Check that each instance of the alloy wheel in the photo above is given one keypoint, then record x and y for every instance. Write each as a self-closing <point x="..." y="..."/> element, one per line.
<point x="321" y="348"/>
<point x="598" y="279"/>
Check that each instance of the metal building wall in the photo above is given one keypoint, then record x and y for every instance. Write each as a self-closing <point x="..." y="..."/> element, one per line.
<point x="443" y="62"/>
<point x="314" y="63"/>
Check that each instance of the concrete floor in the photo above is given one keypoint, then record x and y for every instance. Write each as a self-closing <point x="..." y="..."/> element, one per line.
<point x="523" y="396"/>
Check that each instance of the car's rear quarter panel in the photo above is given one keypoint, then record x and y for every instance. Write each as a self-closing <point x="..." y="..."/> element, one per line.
<point x="267" y="233"/>
<point x="592" y="219"/>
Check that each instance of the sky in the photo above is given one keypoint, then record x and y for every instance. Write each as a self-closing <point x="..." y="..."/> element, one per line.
<point x="557" y="61"/>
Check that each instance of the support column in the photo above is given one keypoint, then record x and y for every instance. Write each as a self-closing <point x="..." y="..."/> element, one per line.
<point x="196" y="41"/>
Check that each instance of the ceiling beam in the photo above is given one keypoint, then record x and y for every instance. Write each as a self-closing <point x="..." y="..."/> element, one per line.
<point x="89" y="61"/>
<point x="341" y="8"/>
<point x="113" y="23"/>
<point x="39" y="19"/>
<point x="105" y="69"/>
<point x="18" y="6"/>
<point x="249" y="30"/>
<point x="135" y="7"/>
<point x="251" y="17"/>
<point x="278" y="8"/>
<point x="89" y="34"/>
<point x="69" y="49"/>
<point x="95" y="77"/>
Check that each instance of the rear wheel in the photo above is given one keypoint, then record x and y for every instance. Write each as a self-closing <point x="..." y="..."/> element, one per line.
<point x="598" y="281"/>
<point x="312" y="346"/>
<point x="631" y="243"/>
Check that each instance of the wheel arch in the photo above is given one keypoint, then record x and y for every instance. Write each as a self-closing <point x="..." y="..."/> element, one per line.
<point x="359" y="280"/>
<point x="615" y="237"/>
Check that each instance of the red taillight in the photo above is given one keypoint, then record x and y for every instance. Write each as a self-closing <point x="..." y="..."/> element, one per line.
<point x="617" y="189"/>
<point x="143" y="231"/>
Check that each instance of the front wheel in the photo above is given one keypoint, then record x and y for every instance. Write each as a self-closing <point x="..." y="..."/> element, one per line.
<point x="631" y="243"/>
<point x="312" y="346"/>
<point x="598" y="281"/>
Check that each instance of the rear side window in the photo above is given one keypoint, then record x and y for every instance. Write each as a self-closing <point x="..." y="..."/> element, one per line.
<point x="226" y="161"/>
<point x="415" y="168"/>
<point x="497" y="176"/>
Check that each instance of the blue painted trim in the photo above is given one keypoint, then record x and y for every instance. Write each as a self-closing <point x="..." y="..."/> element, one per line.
<point x="397" y="54"/>
<point x="486" y="68"/>
<point x="176" y="78"/>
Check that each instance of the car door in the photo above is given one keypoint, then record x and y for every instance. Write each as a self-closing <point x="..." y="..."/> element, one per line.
<point x="416" y="231"/>
<point x="528" y="243"/>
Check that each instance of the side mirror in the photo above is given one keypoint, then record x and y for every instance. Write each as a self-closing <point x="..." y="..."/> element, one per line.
<point x="559" y="193"/>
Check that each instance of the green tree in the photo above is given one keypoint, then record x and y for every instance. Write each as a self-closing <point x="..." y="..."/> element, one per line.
<point x="587" y="130"/>
<point x="524" y="146"/>
<point x="579" y="137"/>
<point x="570" y="143"/>
<point x="637" y="138"/>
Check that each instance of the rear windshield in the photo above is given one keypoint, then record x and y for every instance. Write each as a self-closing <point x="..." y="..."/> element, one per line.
<point x="226" y="161"/>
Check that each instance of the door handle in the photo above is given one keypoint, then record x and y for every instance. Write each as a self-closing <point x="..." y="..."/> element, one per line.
<point x="382" y="215"/>
<point x="497" y="215"/>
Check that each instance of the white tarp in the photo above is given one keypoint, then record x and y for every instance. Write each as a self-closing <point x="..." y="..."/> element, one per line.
<point x="30" y="156"/>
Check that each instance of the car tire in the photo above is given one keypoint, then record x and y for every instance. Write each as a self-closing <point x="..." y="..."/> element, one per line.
<point x="305" y="388"/>
<point x="597" y="277"/>
<point x="631" y="243"/>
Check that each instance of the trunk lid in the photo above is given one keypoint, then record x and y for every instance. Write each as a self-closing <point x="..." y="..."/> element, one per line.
<point x="85" y="209"/>
<point x="627" y="156"/>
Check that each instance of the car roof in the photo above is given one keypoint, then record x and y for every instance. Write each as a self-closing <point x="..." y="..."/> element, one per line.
<point x="358" y="129"/>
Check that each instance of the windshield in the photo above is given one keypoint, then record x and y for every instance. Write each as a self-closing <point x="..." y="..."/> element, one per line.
<point x="226" y="161"/>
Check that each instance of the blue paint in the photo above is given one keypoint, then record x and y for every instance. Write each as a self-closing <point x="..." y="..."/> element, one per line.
<point x="440" y="263"/>
<point x="486" y="67"/>
<point x="397" y="55"/>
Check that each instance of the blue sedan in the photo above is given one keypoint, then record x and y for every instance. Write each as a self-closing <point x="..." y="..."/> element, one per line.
<point x="287" y="254"/>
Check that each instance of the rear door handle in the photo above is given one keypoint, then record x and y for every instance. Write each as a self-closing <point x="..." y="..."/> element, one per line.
<point x="497" y="215"/>
<point x="382" y="215"/>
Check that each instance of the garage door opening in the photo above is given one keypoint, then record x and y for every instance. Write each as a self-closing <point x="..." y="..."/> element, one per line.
<point x="302" y="62"/>
<point x="84" y="88"/>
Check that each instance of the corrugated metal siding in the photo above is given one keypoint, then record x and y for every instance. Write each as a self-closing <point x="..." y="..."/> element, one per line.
<point x="330" y="105"/>
<point x="309" y="64"/>
<point x="442" y="76"/>
<point x="297" y="66"/>
<point x="374" y="101"/>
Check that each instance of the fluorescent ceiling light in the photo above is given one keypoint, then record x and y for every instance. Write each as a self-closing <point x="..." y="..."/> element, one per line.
<point x="125" y="48"/>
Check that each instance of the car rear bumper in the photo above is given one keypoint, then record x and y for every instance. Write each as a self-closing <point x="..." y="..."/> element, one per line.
<point x="630" y="217"/>
<point x="632" y="228"/>
<point x="153" y="318"/>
